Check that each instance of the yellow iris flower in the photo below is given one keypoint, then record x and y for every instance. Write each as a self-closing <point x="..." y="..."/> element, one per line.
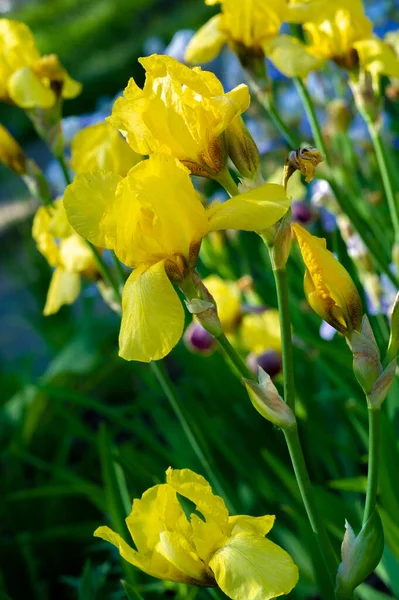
<point x="329" y="288"/>
<point x="154" y="221"/>
<point x="26" y="78"/>
<point x="341" y="31"/>
<point x="180" y="111"/>
<point x="219" y="550"/>
<point x="101" y="146"/>
<point x="261" y="331"/>
<point x="227" y="296"/>
<point x="64" y="250"/>
<point x="252" y="27"/>
<point x="11" y="153"/>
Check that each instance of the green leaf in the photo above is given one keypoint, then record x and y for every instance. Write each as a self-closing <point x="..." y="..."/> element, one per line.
<point x="131" y="592"/>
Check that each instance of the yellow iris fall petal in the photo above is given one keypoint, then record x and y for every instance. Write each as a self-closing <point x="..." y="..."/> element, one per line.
<point x="328" y="286"/>
<point x="101" y="146"/>
<point x="216" y="549"/>
<point x="180" y="111"/>
<point x="26" y="78"/>
<point x="252" y="26"/>
<point x="11" y="153"/>
<point x="64" y="250"/>
<point x="154" y="221"/>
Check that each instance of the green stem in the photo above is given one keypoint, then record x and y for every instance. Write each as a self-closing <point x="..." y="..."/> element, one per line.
<point x="387" y="179"/>
<point x="120" y="273"/>
<point x="311" y="113"/>
<point x="305" y="488"/>
<point x="174" y="400"/>
<point x="374" y="460"/>
<point x="280" y="277"/>
<point x="64" y="168"/>
<point x="234" y="357"/>
<point x="225" y="179"/>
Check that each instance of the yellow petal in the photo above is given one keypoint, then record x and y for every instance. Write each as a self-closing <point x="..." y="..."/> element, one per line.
<point x="44" y="239"/>
<point x="11" y="153"/>
<point x="228" y="300"/>
<point x="152" y="315"/>
<point x="258" y="525"/>
<point x="75" y="254"/>
<point x="153" y="564"/>
<point x="59" y="225"/>
<point x="206" y="44"/>
<point x="197" y="489"/>
<point x="377" y="57"/>
<point x="101" y="147"/>
<point x="327" y="283"/>
<point x="207" y="537"/>
<point x="180" y="553"/>
<point x="261" y="331"/>
<point x="28" y="91"/>
<point x="70" y="87"/>
<point x="251" y="567"/>
<point x="88" y="200"/>
<point x="64" y="289"/>
<point x="291" y="57"/>
<point x="255" y="210"/>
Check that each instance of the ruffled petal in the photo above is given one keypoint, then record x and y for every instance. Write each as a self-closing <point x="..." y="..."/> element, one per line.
<point x="88" y="200"/>
<point x="64" y="289"/>
<point x="250" y="566"/>
<point x="258" y="525"/>
<point x="291" y="57"/>
<point x="377" y="57"/>
<point x="152" y="315"/>
<point x="206" y="44"/>
<point x="27" y="90"/>
<point x="197" y="489"/>
<point x="255" y="210"/>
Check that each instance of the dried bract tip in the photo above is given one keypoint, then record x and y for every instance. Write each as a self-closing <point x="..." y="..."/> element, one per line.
<point x="304" y="160"/>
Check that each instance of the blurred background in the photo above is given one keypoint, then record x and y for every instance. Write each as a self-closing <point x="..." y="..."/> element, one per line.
<point x="82" y="432"/>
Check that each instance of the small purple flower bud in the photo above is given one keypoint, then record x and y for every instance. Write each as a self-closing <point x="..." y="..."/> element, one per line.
<point x="301" y="212"/>
<point x="198" y="339"/>
<point x="269" y="361"/>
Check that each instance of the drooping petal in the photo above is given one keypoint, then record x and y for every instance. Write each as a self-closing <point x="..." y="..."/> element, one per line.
<point x="152" y="315"/>
<point x="197" y="489"/>
<point x="255" y="210"/>
<point x="206" y="44"/>
<point x="27" y="90"/>
<point x="64" y="289"/>
<point x="59" y="226"/>
<point x="153" y="564"/>
<point x="181" y="554"/>
<point x="75" y="254"/>
<point x="44" y="239"/>
<point x="250" y="566"/>
<point x="88" y="200"/>
<point x="377" y="57"/>
<point x="291" y="57"/>
<point x="258" y="525"/>
<point x="101" y="147"/>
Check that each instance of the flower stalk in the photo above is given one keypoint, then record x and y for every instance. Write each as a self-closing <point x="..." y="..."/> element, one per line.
<point x="374" y="415"/>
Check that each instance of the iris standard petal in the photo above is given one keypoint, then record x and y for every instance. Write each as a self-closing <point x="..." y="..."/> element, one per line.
<point x="206" y="44"/>
<point x="255" y="210"/>
<point x="64" y="289"/>
<point x="27" y="90"/>
<point x="250" y="566"/>
<point x="181" y="554"/>
<point x="152" y="315"/>
<point x="88" y="200"/>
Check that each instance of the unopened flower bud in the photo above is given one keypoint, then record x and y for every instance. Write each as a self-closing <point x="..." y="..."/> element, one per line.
<point x="304" y="160"/>
<point x="201" y="303"/>
<point x="301" y="213"/>
<point x="367" y="102"/>
<point x="366" y="356"/>
<point x="339" y="116"/>
<point x="393" y="347"/>
<point x="198" y="339"/>
<point x="268" y="361"/>
<point x="360" y="555"/>
<point x="242" y="149"/>
<point x="11" y="153"/>
<point x="267" y="401"/>
<point x="278" y="239"/>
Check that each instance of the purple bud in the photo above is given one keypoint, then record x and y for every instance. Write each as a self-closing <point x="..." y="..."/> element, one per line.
<point x="301" y="212"/>
<point x="198" y="339"/>
<point x="269" y="361"/>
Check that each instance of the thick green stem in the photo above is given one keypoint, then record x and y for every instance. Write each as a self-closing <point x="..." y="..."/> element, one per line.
<point x="374" y="461"/>
<point x="174" y="400"/>
<point x="387" y="179"/>
<point x="225" y="180"/>
<point x="315" y="519"/>
<point x="280" y="277"/>
<point x="234" y="357"/>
